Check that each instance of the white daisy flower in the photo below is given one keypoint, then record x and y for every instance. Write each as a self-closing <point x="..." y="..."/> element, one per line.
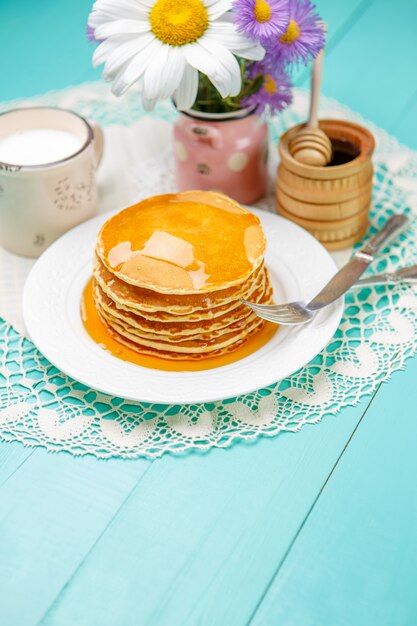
<point x="162" y="44"/>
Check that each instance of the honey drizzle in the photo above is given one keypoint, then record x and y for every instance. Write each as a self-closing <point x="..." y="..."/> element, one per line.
<point x="100" y="335"/>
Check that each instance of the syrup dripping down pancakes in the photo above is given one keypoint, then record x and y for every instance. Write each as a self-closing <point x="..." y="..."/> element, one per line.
<point x="171" y="271"/>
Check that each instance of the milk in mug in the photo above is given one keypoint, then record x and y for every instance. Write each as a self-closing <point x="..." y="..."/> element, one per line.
<point x="48" y="160"/>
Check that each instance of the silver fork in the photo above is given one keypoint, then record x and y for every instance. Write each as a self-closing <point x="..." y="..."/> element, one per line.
<point x="301" y="312"/>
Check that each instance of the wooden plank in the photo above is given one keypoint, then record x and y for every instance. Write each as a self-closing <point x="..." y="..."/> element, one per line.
<point x="372" y="72"/>
<point x="201" y="530"/>
<point x="339" y="19"/>
<point x="44" y="46"/>
<point x="405" y="127"/>
<point x="12" y="457"/>
<point x="355" y="560"/>
<point x="53" y="508"/>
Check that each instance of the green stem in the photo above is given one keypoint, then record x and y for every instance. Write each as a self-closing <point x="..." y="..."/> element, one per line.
<point x="210" y="101"/>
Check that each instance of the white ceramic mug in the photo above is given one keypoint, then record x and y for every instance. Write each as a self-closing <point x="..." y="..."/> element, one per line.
<point x="40" y="202"/>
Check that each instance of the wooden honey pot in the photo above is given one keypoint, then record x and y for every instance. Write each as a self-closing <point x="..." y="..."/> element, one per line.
<point x="331" y="202"/>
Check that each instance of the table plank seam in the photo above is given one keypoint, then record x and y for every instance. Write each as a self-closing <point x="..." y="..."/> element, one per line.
<point x="310" y="510"/>
<point x="351" y="21"/>
<point x="17" y="468"/>
<point x="94" y="544"/>
<point x="186" y="565"/>
<point x="339" y="35"/>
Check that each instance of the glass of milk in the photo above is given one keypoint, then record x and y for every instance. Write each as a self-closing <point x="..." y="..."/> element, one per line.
<point x="48" y="161"/>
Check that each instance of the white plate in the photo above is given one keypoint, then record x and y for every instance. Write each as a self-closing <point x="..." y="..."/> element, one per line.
<point x="299" y="267"/>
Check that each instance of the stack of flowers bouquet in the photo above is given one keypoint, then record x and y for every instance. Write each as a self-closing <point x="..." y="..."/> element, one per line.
<point x="216" y="58"/>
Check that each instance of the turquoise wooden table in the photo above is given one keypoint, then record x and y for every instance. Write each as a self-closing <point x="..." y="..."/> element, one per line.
<point x="313" y="528"/>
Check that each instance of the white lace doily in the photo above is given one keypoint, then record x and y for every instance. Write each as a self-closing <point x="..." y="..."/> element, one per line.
<point x="41" y="406"/>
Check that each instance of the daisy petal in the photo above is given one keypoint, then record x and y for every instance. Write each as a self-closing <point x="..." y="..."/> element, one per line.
<point x="145" y="5"/>
<point x="122" y="54"/>
<point x="228" y="61"/>
<point x="119" y="86"/>
<point x="109" y="51"/>
<point x="163" y="73"/>
<point x="218" y="8"/>
<point x="253" y="53"/>
<point x="121" y="27"/>
<point x="140" y="62"/>
<point x="199" y="58"/>
<point x="148" y="104"/>
<point x="119" y="6"/>
<point x="172" y="73"/>
<point x="187" y="91"/>
<point x="202" y="60"/>
<point x="106" y="11"/>
<point x="102" y="52"/>
<point x="225" y="33"/>
<point x="135" y="68"/>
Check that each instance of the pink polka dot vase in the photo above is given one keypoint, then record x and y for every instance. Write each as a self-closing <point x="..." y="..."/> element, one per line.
<point x="225" y="152"/>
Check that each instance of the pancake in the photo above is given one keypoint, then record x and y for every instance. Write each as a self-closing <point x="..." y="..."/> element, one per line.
<point x="190" y="242"/>
<point x="173" y="332"/>
<point x="175" y="356"/>
<point x="182" y="340"/>
<point x="170" y="274"/>
<point x="175" y="327"/>
<point x="187" y="346"/>
<point x="146" y="300"/>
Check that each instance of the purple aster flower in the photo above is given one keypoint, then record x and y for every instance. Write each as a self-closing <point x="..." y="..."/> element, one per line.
<point x="304" y="36"/>
<point x="90" y="34"/>
<point x="261" y="19"/>
<point x="275" y="93"/>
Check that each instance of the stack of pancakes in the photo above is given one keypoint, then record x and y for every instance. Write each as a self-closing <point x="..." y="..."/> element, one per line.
<point x="171" y="271"/>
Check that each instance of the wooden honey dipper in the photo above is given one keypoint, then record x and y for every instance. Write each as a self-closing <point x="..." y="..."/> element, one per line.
<point x="311" y="145"/>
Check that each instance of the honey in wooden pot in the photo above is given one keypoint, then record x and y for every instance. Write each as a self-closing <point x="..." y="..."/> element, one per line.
<point x="331" y="202"/>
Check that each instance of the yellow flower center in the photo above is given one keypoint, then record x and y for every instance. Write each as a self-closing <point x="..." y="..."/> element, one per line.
<point x="291" y="34"/>
<point x="270" y="85"/>
<point x="262" y="11"/>
<point x="178" y="22"/>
